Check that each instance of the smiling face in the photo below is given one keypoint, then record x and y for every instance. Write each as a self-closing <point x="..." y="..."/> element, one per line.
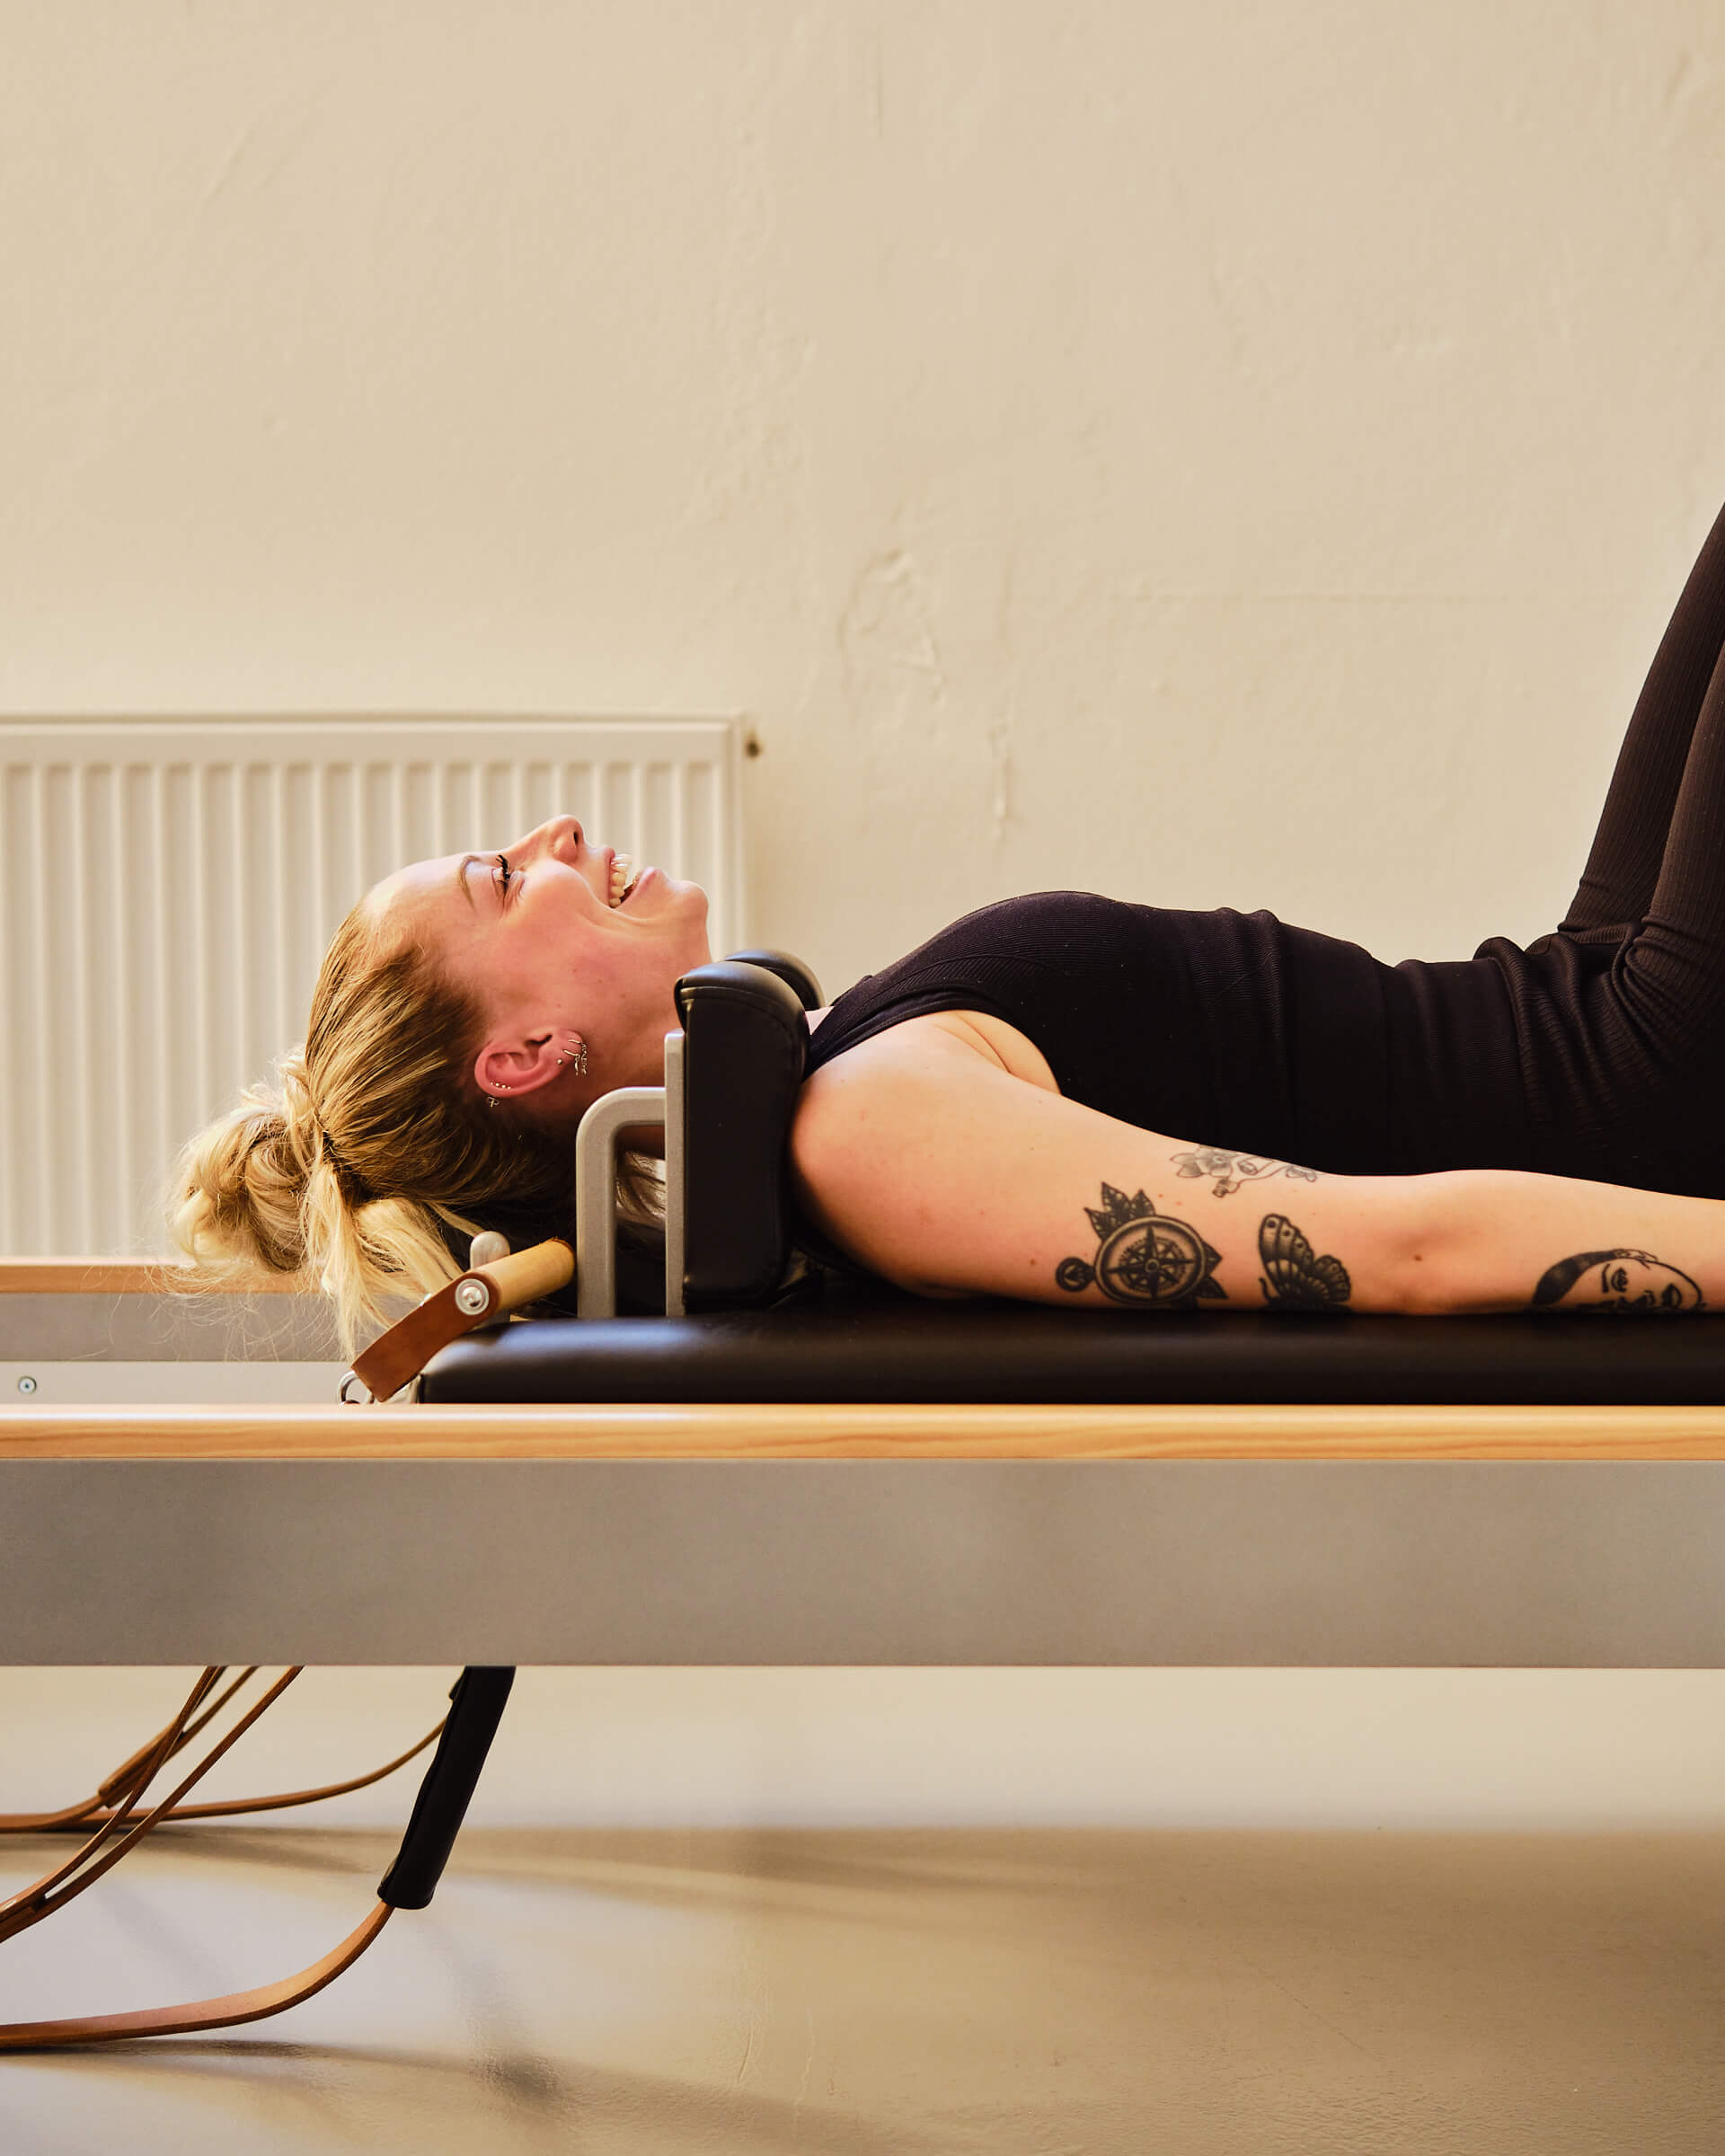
<point x="532" y="933"/>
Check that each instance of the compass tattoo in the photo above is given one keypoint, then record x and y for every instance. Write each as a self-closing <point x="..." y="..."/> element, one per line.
<point x="1147" y="1257"/>
<point x="1143" y="1256"/>
<point x="1231" y="1170"/>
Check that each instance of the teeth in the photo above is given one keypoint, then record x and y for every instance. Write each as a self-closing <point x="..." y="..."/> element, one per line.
<point x="623" y="870"/>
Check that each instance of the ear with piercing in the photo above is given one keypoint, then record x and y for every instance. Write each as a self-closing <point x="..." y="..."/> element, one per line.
<point x="575" y="1058"/>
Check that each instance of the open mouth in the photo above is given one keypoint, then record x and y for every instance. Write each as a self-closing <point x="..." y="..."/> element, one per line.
<point x="625" y="876"/>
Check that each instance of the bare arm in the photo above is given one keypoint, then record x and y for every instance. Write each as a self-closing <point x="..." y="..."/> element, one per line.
<point x="935" y="1167"/>
<point x="1501" y="1238"/>
<point x="938" y="1169"/>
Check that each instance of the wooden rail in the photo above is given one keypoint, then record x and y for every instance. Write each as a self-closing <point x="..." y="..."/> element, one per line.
<point x="731" y="1432"/>
<point x="128" y="1277"/>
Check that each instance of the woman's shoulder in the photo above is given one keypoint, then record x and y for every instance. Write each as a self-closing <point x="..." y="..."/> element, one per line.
<point x="1002" y="964"/>
<point x="1036" y="925"/>
<point x="995" y="1039"/>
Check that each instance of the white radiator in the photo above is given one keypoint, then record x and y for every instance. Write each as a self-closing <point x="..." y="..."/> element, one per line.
<point x="167" y="889"/>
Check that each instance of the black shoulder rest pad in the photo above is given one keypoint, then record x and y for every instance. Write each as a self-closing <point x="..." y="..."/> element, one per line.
<point x="745" y="1040"/>
<point x="792" y="971"/>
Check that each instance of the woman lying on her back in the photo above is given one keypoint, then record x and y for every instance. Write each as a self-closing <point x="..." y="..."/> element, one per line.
<point x="1063" y="1097"/>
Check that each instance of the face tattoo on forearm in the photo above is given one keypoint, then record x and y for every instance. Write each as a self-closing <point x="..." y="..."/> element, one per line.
<point x="1632" y="1280"/>
<point x="1232" y="1169"/>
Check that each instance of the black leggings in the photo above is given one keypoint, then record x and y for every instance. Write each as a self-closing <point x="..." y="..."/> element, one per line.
<point x="1620" y="1014"/>
<point x="1656" y="874"/>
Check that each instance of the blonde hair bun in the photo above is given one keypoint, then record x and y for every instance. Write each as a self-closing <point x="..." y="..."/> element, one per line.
<point x="241" y="1190"/>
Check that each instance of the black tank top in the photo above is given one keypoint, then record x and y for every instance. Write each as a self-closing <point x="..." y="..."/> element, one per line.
<point x="1231" y="1030"/>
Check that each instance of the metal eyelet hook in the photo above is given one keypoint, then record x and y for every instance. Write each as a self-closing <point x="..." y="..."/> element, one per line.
<point x="354" y="1392"/>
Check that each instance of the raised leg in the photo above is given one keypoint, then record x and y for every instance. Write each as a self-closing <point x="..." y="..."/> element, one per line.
<point x="1629" y="848"/>
<point x="1671" y="980"/>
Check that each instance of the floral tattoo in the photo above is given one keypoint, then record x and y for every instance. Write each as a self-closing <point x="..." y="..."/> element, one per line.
<point x="1232" y="1169"/>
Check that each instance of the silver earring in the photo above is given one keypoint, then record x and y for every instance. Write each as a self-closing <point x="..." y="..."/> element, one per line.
<point x="581" y="1062"/>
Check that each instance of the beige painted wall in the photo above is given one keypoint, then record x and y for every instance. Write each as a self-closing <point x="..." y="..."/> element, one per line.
<point x="1235" y="457"/>
<point x="1240" y="456"/>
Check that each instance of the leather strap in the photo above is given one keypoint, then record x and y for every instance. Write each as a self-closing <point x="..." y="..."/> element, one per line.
<point x="93" y="1812"/>
<point x="203" y="2013"/>
<point x="395" y="1357"/>
<point x="177" y="1735"/>
<point x="129" y="1778"/>
<point x="88" y="1863"/>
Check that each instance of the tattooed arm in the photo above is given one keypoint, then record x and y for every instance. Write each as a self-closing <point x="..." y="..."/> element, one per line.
<point x="936" y="1164"/>
<point x="923" y="1154"/>
<point x="1504" y="1239"/>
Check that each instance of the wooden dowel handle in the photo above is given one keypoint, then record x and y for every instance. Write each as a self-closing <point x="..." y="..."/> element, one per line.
<point x="524" y="1275"/>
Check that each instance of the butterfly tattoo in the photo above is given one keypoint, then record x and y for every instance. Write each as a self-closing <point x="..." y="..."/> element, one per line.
<point x="1156" y="1259"/>
<point x="1295" y="1277"/>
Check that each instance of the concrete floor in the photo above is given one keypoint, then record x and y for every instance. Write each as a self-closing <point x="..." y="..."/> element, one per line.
<point x="1041" y="1988"/>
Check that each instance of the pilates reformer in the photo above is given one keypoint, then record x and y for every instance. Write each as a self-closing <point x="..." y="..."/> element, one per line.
<point x="741" y="1459"/>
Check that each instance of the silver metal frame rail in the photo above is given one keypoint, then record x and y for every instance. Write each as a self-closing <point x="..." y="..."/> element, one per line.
<point x="596" y="1185"/>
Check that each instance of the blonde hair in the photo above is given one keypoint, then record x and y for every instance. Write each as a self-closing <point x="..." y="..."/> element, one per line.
<point x="378" y="1158"/>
